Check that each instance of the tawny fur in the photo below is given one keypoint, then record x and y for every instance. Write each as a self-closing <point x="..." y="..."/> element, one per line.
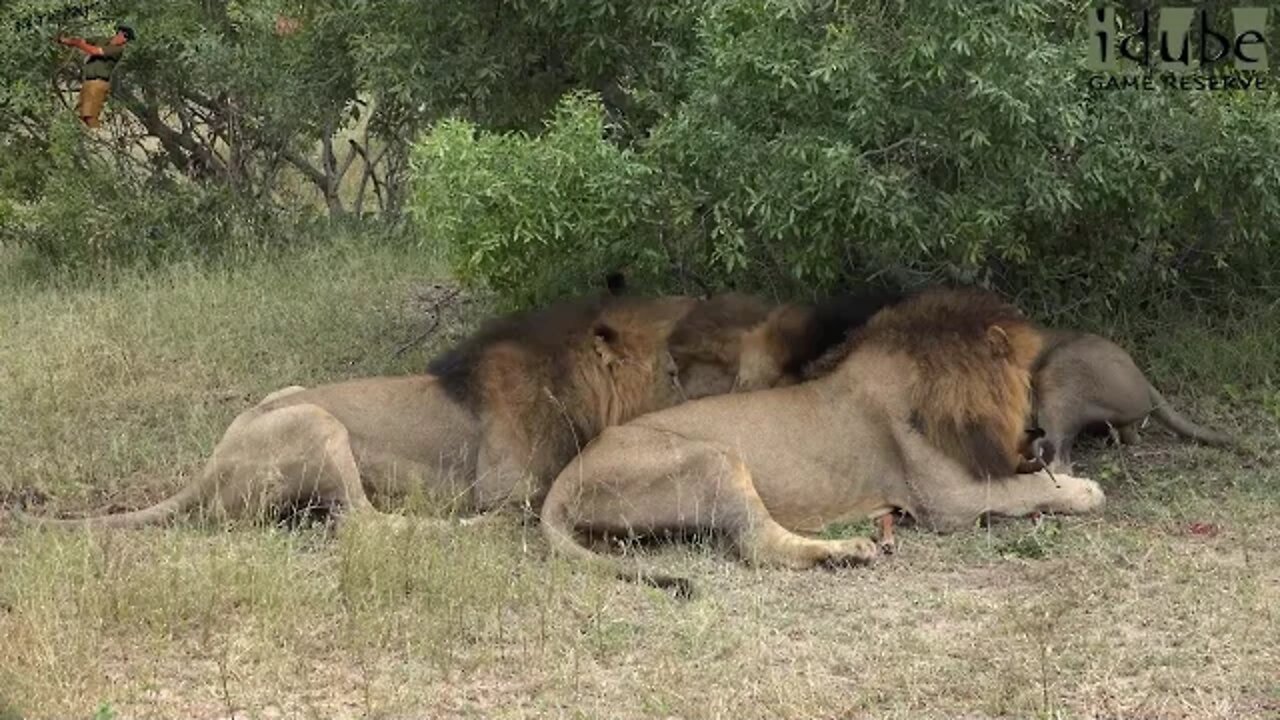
<point x="763" y="345"/>
<point x="973" y="353"/>
<point x="1079" y="380"/>
<point x="771" y="352"/>
<point x="513" y="405"/>
<point x="558" y="376"/>
<point x="762" y="467"/>
<point x="708" y="342"/>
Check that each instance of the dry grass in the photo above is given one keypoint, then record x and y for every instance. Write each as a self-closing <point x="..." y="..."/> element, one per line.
<point x="1167" y="606"/>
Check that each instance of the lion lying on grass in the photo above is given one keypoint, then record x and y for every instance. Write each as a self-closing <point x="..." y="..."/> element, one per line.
<point x="922" y="409"/>
<point x="1079" y="380"/>
<point x="491" y="427"/>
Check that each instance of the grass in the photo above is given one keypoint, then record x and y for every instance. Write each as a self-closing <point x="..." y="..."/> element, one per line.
<point x="1166" y="606"/>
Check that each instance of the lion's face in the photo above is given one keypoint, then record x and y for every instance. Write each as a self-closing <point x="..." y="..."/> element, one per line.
<point x="709" y="341"/>
<point x="739" y="364"/>
<point x="642" y="374"/>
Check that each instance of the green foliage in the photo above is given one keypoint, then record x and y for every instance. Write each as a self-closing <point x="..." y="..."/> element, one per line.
<point x="801" y="145"/>
<point x="166" y="176"/>
<point x="790" y="145"/>
<point x="1042" y="540"/>
<point x="505" y="63"/>
<point x="89" y="215"/>
<point x="220" y="131"/>
<point x="531" y="218"/>
<point x="215" y="109"/>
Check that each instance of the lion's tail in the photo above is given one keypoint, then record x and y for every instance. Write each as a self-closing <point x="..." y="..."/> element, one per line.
<point x="166" y="509"/>
<point x="559" y="532"/>
<point x="1176" y="422"/>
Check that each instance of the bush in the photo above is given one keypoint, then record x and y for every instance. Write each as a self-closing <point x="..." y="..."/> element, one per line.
<point x="535" y="218"/>
<point x="85" y="214"/>
<point x="807" y="146"/>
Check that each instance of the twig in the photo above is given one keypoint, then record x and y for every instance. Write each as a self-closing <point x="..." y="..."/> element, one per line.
<point x="887" y="148"/>
<point x="436" y="311"/>
<point x="419" y="337"/>
<point x="369" y="171"/>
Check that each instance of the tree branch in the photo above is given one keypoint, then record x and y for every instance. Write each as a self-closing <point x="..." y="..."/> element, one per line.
<point x="184" y="152"/>
<point x="303" y="166"/>
<point x="370" y="172"/>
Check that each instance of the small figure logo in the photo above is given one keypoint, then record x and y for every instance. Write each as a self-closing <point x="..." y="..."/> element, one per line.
<point x="100" y="62"/>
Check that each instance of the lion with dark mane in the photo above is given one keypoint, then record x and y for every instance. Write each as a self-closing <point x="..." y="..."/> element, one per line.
<point x="1079" y="380"/>
<point x="921" y="409"/>
<point x="501" y="414"/>
<point x="735" y="341"/>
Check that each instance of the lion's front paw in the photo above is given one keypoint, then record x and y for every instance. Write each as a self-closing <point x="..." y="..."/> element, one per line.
<point x="1086" y="496"/>
<point x="854" y="551"/>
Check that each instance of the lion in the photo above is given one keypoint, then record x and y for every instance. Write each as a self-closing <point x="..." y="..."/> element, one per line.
<point x="921" y="410"/>
<point x="739" y="342"/>
<point x="488" y="428"/>
<point x="1079" y="380"/>
<point x="708" y="341"/>
<point x="734" y="342"/>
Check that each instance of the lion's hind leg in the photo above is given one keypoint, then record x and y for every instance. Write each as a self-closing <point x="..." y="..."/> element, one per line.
<point x="265" y="463"/>
<point x="1127" y="433"/>
<point x="293" y="457"/>
<point x="760" y="539"/>
<point x="637" y="479"/>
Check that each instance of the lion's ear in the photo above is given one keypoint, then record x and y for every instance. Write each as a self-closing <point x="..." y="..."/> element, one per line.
<point x="605" y="340"/>
<point x="616" y="282"/>
<point x="999" y="340"/>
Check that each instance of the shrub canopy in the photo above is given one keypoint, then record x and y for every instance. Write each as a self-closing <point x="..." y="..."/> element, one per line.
<point x="789" y="146"/>
<point x="804" y="146"/>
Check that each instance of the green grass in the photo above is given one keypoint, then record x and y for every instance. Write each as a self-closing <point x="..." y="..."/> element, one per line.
<point x="1165" y="606"/>
<point x="109" y="383"/>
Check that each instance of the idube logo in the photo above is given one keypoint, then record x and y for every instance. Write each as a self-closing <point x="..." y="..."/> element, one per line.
<point x="1185" y="50"/>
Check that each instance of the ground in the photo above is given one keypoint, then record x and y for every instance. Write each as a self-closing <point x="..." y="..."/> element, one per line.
<point x="1165" y="606"/>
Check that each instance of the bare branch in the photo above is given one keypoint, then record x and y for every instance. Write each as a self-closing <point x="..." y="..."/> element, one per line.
<point x="370" y="172"/>
<point x="184" y="152"/>
<point x="304" y="166"/>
